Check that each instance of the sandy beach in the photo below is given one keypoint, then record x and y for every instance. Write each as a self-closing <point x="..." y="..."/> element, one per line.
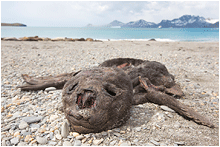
<point x="195" y="66"/>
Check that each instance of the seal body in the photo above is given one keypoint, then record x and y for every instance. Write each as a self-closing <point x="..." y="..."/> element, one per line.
<point x="100" y="98"/>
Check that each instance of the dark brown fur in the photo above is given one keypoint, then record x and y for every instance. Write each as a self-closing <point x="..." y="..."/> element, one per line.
<point x="100" y="98"/>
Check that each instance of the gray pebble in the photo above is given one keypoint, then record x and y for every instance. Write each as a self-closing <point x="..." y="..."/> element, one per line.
<point x="138" y="129"/>
<point x="98" y="141"/>
<point x="56" y="132"/>
<point x="154" y="142"/>
<point x="127" y="143"/>
<point x="50" y="89"/>
<point x="116" y="130"/>
<point x="25" y="133"/>
<point x="64" y="130"/>
<point x="25" y="110"/>
<point x="117" y="134"/>
<point x="51" y="135"/>
<point x="8" y="143"/>
<point x="14" y="141"/>
<point x="23" y="125"/>
<point x="165" y="108"/>
<point x="67" y="143"/>
<point x="80" y="137"/>
<point x="41" y="140"/>
<point x="187" y="80"/>
<point x="163" y="144"/>
<point x="58" y="136"/>
<point x="104" y="133"/>
<point x="22" y="144"/>
<point x="59" y="143"/>
<point x="3" y="143"/>
<point x="113" y="142"/>
<point x="32" y="119"/>
<point x="77" y="143"/>
<point x="52" y="143"/>
<point x="180" y="143"/>
<point x="6" y="128"/>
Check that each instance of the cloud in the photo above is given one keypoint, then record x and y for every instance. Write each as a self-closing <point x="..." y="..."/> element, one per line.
<point x="80" y="13"/>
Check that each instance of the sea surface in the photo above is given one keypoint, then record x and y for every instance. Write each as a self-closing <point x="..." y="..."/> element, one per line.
<point x="101" y="33"/>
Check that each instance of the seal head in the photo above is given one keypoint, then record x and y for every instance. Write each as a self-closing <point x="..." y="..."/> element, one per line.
<point x="97" y="99"/>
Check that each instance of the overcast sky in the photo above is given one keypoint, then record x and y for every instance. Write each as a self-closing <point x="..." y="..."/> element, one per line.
<point x="81" y="13"/>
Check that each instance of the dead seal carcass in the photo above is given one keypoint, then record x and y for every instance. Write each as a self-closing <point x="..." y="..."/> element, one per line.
<point x="100" y="98"/>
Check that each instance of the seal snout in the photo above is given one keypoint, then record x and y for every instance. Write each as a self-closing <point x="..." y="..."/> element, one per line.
<point x="86" y="99"/>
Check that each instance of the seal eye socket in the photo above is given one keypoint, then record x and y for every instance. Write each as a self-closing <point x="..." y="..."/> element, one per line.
<point x="110" y="89"/>
<point x="71" y="88"/>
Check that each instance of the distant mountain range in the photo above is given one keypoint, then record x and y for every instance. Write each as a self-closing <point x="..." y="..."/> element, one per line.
<point x="185" y="21"/>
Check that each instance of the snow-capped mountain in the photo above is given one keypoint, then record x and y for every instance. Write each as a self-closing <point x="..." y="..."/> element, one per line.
<point x="116" y="23"/>
<point x="139" y="24"/>
<point x="213" y="21"/>
<point x="185" y="21"/>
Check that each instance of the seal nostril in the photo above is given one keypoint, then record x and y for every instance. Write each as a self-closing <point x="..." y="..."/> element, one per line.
<point x="86" y="100"/>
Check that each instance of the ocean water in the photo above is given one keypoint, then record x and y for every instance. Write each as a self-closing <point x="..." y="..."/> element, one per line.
<point x="162" y="34"/>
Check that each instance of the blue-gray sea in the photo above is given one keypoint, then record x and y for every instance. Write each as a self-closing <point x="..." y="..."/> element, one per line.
<point x="101" y="33"/>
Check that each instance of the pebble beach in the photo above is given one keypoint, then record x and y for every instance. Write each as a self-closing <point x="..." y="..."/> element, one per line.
<point x="30" y="118"/>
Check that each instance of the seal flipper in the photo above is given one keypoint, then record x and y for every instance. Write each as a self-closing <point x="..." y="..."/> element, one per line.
<point x="161" y="98"/>
<point x="41" y="83"/>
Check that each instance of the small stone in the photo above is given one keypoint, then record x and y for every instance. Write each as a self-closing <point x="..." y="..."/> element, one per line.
<point x="116" y="130"/>
<point x="59" y="143"/>
<point x="90" y="141"/>
<point x="52" y="143"/>
<point x="56" y="132"/>
<point x="157" y="139"/>
<point x="117" y="134"/>
<point x="154" y="142"/>
<point x="32" y="119"/>
<point x="27" y="138"/>
<point x="77" y="143"/>
<point x="80" y="137"/>
<point x="16" y="134"/>
<point x="25" y="133"/>
<point x="41" y="140"/>
<point x="138" y="129"/>
<point x="165" y="108"/>
<point x="67" y="143"/>
<point x="14" y="141"/>
<point x="51" y="135"/>
<point x="180" y="143"/>
<point x="75" y="134"/>
<point x="187" y="80"/>
<point x="98" y="141"/>
<point x="50" y="89"/>
<point x="84" y="140"/>
<point x="6" y="128"/>
<point x="113" y="143"/>
<point x="127" y="143"/>
<point x="104" y="133"/>
<point x="22" y="144"/>
<point x="53" y="117"/>
<point x="163" y="144"/>
<point x="64" y="130"/>
<point x="23" y="125"/>
<point x="58" y="136"/>
<point x="3" y="143"/>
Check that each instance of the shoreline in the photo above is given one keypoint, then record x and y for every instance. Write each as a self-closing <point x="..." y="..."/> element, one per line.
<point x="36" y="38"/>
<point x="195" y="66"/>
